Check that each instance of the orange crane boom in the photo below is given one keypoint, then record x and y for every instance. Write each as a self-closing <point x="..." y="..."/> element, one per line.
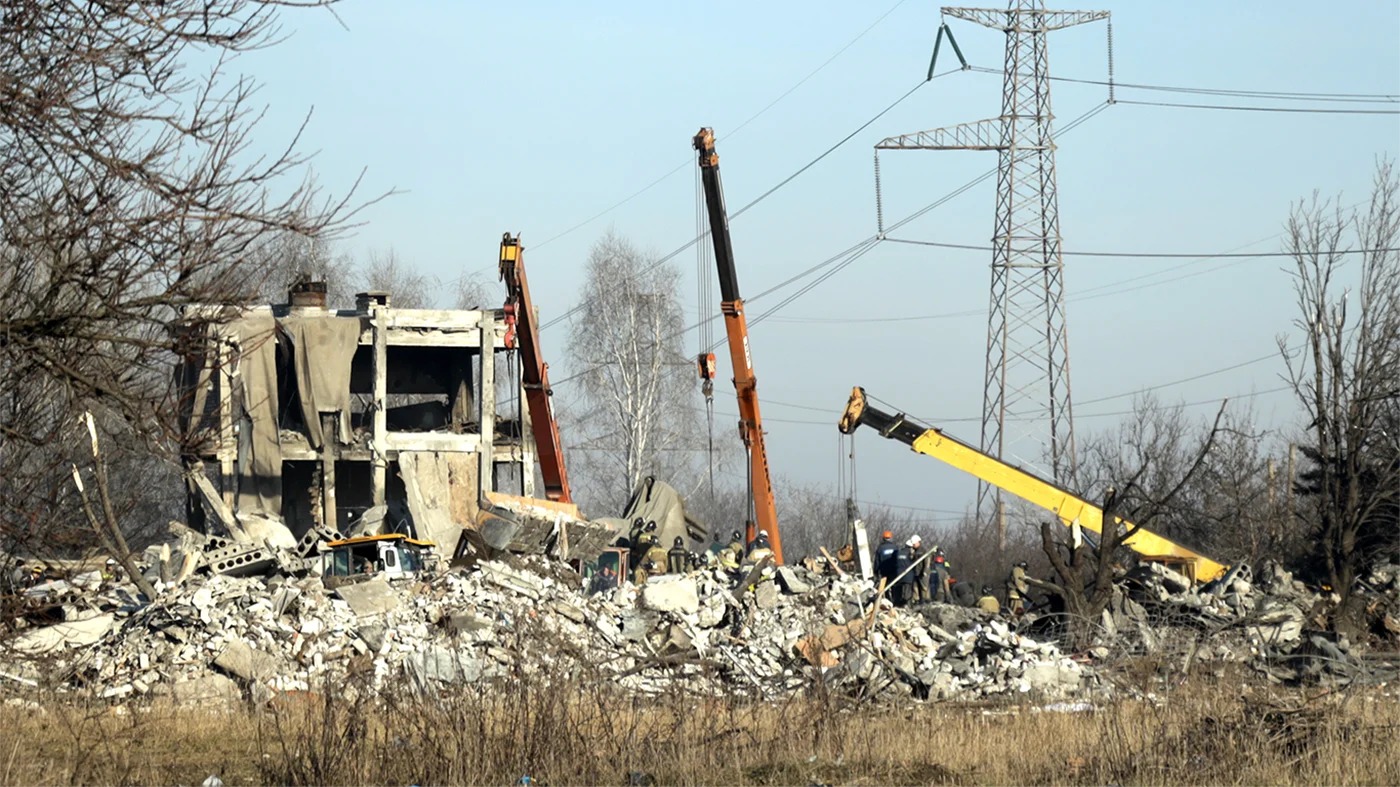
<point x="736" y="326"/>
<point x="522" y="328"/>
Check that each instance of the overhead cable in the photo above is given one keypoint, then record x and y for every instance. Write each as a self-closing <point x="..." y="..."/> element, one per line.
<point x="1300" y="110"/>
<point x="1281" y="95"/>
<point x="667" y="258"/>
<point x="1148" y="254"/>
<point x="730" y="133"/>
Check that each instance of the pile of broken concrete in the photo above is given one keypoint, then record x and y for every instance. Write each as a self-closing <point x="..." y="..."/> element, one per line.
<point x="1267" y="619"/>
<point x="218" y="636"/>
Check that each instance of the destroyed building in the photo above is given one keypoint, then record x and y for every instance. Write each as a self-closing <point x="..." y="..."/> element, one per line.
<point x="372" y="419"/>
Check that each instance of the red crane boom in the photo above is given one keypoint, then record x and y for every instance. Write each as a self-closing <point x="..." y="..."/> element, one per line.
<point x="522" y="328"/>
<point x="736" y="326"/>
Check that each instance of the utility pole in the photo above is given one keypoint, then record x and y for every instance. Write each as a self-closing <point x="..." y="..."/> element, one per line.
<point x="1026" y="391"/>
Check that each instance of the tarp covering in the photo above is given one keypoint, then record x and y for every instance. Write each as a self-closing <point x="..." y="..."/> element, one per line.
<point x="259" y="452"/>
<point x="323" y="349"/>
<point x="657" y="501"/>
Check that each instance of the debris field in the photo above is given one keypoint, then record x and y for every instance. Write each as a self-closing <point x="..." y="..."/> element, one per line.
<point x="215" y="637"/>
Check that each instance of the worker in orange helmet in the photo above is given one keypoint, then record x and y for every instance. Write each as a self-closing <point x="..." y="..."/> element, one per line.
<point x="940" y="578"/>
<point x="887" y="557"/>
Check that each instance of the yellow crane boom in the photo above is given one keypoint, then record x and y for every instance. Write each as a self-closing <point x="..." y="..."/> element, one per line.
<point x="1029" y="487"/>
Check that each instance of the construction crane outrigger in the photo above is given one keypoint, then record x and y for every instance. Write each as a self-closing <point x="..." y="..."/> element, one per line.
<point x="736" y="326"/>
<point x="522" y="328"/>
<point x="1070" y="508"/>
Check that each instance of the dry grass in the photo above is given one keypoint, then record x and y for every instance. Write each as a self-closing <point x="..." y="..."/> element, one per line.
<point x="1203" y="734"/>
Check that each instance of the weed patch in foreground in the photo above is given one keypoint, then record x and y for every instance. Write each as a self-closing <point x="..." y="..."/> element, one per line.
<point x="591" y="735"/>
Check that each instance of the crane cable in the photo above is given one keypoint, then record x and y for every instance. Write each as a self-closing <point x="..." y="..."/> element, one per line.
<point x="704" y="289"/>
<point x="840" y="464"/>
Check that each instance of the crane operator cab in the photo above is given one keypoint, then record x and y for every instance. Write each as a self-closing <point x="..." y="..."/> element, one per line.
<point x="395" y="556"/>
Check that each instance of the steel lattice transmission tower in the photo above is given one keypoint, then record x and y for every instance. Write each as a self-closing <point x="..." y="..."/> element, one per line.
<point x="1027" y="379"/>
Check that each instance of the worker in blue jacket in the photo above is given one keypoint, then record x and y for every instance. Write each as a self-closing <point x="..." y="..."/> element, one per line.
<point x="887" y="557"/>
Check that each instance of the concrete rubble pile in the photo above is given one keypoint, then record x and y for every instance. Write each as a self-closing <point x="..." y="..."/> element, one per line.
<point x="1266" y="618"/>
<point x="224" y="637"/>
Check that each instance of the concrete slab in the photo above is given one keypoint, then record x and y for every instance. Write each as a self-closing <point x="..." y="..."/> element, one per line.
<point x="374" y="597"/>
<point x="792" y="583"/>
<point x="240" y="659"/>
<point x="73" y="634"/>
<point x="675" y="595"/>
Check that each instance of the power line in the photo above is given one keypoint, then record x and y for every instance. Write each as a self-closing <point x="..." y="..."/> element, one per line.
<point x="826" y="63"/>
<point x="1148" y="254"/>
<point x="612" y="207"/>
<point x="663" y="260"/>
<point x="934" y="422"/>
<point x="869" y="241"/>
<point x="1282" y="95"/>
<point x="1088" y="293"/>
<point x="729" y="134"/>
<point x="1192" y="378"/>
<point x="1300" y="110"/>
<point x="1215" y="400"/>
<point x="814" y="283"/>
<point x="833" y="148"/>
<point x="860" y="249"/>
<point x="864" y="502"/>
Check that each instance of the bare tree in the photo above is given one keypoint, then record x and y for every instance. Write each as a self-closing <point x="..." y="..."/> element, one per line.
<point x="130" y="193"/>
<point x="1133" y="490"/>
<point x="1228" y="509"/>
<point x="1235" y="509"/>
<point x="634" y="413"/>
<point x="408" y="287"/>
<point x="1347" y="375"/>
<point x="289" y="257"/>
<point x="475" y="292"/>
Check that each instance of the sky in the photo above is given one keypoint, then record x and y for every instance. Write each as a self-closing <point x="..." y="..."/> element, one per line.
<point x="535" y="117"/>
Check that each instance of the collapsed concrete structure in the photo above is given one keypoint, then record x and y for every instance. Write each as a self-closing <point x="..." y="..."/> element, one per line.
<point x="380" y="420"/>
<point x="252" y="637"/>
<point x="703" y="633"/>
<point x="376" y="416"/>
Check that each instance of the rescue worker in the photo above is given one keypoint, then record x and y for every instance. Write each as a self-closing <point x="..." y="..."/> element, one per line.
<point x="19" y="576"/>
<point x="940" y="578"/>
<point x="637" y="558"/>
<point x="886" y="556"/>
<point x="962" y="593"/>
<point x="638" y="549"/>
<point x="760" y="548"/>
<point x="604" y="579"/>
<point x="903" y="590"/>
<point x="716" y="547"/>
<point x="759" y="551"/>
<point x="921" y="571"/>
<point x="1017" y="588"/>
<point x="656" y="557"/>
<point x="728" y="561"/>
<point x="736" y="546"/>
<point x="988" y="602"/>
<point x="637" y="529"/>
<point x="678" y="558"/>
